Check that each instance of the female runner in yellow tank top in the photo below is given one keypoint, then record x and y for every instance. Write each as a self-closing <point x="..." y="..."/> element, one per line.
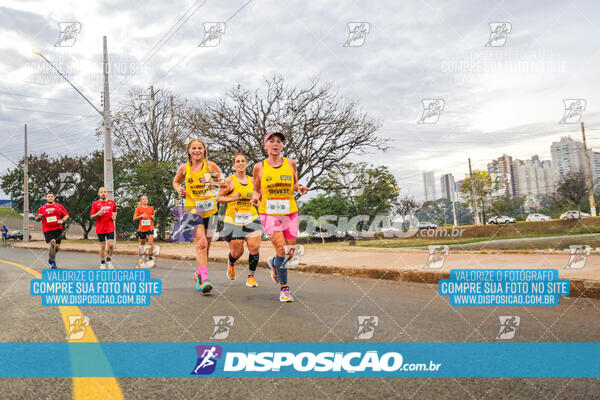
<point x="241" y="219"/>
<point x="275" y="181"/>
<point x="201" y="178"/>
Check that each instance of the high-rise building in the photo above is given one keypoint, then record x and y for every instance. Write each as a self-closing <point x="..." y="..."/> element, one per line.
<point x="459" y="194"/>
<point x="429" y="185"/>
<point x="568" y="157"/>
<point x="532" y="179"/>
<point x="448" y="188"/>
<point x="500" y="170"/>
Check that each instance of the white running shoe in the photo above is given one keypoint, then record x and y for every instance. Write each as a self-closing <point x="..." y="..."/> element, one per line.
<point x="102" y="265"/>
<point x="110" y="265"/>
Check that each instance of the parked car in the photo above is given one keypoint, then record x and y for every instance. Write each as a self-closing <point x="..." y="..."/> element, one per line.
<point x="16" y="235"/>
<point x="538" y="217"/>
<point x="426" y="225"/>
<point x="502" y="220"/>
<point x="574" y="214"/>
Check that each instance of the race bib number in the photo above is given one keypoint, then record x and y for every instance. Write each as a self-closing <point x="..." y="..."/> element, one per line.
<point x="243" y="218"/>
<point x="278" y="206"/>
<point x="51" y="219"/>
<point x="146" y="222"/>
<point x="205" y="205"/>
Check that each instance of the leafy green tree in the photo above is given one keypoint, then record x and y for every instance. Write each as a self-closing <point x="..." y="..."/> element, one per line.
<point x="44" y="175"/>
<point x="153" y="179"/>
<point x="571" y="190"/>
<point x="478" y="189"/>
<point x="510" y="206"/>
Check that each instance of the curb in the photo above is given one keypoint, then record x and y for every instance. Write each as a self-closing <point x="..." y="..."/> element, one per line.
<point x="578" y="287"/>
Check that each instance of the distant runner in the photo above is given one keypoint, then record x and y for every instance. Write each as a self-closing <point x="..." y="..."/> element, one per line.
<point x="241" y="219"/>
<point x="53" y="216"/>
<point x="105" y="212"/>
<point x="145" y="214"/>
<point x="275" y="181"/>
<point x="4" y="234"/>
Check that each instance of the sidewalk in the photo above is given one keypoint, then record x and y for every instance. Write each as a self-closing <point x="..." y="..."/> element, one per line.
<point x="392" y="264"/>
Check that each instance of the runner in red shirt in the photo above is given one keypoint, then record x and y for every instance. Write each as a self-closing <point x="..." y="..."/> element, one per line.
<point x="105" y="212"/>
<point x="53" y="216"/>
<point x="145" y="214"/>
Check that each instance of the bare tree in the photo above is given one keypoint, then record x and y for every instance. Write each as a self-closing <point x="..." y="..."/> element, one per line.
<point x="406" y="206"/>
<point x="148" y="127"/>
<point x="321" y="128"/>
<point x="150" y="134"/>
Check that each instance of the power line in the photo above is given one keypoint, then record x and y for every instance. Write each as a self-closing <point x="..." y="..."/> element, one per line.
<point x="39" y="111"/>
<point x="177" y="30"/>
<point x="192" y="51"/>
<point x="160" y="40"/>
<point x="43" y="98"/>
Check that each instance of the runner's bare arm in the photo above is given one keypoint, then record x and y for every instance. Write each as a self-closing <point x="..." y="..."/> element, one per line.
<point x="179" y="177"/>
<point x="256" y="177"/>
<point x="216" y="173"/>
<point x="222" y="196"/>
<point x="297" y="187"/>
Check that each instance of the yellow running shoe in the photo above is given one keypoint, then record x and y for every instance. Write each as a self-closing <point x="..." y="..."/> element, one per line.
<point x="285" y="296"/>
<point x="251" y="282"/>
<point x="231" y="272"/>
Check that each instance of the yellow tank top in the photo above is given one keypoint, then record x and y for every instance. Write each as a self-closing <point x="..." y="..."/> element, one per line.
<point x="199" y="194"/>
<point x="241" y="212"/>
<point x="277" y="190"/>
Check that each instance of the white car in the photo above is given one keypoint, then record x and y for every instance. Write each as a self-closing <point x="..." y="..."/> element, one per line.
<point x="502" y="220"/>
<point x="538" y="217"/>
<point x="426" y="225"/>
<point x="574" y="215"/>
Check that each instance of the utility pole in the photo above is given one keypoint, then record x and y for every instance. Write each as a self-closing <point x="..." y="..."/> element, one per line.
<point x="475" y="209"/>
<point x="26" y="195"/>
<point x="454" y="209"/>
<point x="588" y="174"/>
<point x="153" y="105"/>
<point x="108" y="155"/>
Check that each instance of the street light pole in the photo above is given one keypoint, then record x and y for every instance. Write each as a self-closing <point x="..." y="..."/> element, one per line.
<point x="588" y="174"/>
<point x="26" y="190"/>
<point x="108" y="155"/>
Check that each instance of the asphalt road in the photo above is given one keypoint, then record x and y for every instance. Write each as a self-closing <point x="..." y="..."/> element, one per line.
<point x="326" y="309"/>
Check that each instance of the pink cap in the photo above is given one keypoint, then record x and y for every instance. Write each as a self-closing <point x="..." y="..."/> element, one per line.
<point x="274" y="133"/>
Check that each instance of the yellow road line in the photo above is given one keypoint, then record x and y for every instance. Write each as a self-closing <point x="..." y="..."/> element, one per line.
<point x="83" y="388"/>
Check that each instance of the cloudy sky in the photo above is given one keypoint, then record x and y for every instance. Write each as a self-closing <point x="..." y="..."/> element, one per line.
<point x="506" y="97"/>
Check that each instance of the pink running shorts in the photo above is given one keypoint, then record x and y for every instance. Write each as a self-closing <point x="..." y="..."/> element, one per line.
<point x="288" y="224"/>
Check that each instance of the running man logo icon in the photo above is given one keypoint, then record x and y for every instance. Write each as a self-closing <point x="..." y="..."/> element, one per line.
<point x="223" y="324"/>
<point x="499" y="32"/>
<point x="574" y="109"/>
<point x="294" y="254"/>
<point x="508" y="326"/>
<point x="437" y="256"/>
<point x="212" y="34"/>
<point x="366" y="326"/>
<point x="68" y="34"/>
<point x="579" y="253"/>
<point x="207" y="359"/>
<point x="77" y="325"/>
<point x="357" y="34"/>
<point x="432" y="109"/>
